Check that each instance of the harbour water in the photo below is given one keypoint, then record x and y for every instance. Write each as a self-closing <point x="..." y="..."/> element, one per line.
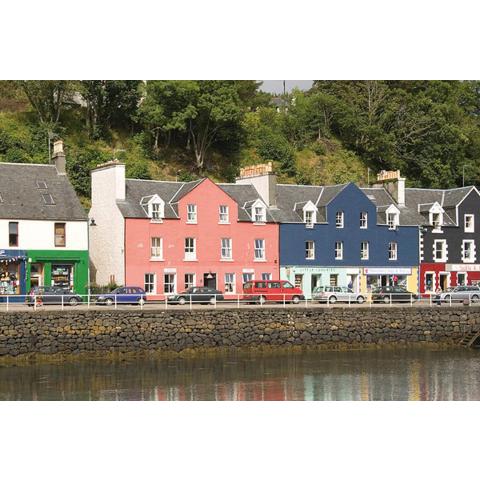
<point x="387" y="374"/>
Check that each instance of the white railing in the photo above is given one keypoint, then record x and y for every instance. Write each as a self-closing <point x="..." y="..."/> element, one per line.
<point x="11" y="303"/>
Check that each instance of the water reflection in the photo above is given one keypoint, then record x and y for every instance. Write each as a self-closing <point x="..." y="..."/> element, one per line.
<point x="361" y="375"/>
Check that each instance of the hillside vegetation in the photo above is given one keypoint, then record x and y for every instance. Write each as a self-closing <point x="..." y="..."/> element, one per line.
<point x="335" y="132"/>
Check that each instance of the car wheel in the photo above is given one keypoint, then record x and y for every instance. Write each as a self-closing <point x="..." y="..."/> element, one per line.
<point x="182" y="301"/>
<point x="261" y="300"/>
<point x="332" y="299"/>
<point x="295" y="299"/>
<point x="386" y="300"/>
<point x="360" y="299"/>
<point x="73" y="302"/>
<point x="212" y="301"/>
<point x="108" y="302"/>
<point x="447" y="298"/>
<point x="474" y="298"/>
<point x="141" y="301"/>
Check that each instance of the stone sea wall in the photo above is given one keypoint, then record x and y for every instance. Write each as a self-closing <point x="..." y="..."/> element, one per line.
<point x="98" y="331"/>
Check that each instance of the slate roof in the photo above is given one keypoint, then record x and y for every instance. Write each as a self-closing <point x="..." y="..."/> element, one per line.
<point x="418" y="202"/>
<point x="23" y="199"/>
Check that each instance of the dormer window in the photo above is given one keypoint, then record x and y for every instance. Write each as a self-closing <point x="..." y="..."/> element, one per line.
<point x="156" y="211"/>
<point x="436" y="217"/>
<point x="309" y="214"/>
<point x="259" y="212"/>
<point x="154" y="207"/>
<point x="392" y="217"/>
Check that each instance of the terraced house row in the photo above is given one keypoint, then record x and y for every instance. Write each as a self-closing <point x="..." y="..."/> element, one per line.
<point x="166" y="236"/>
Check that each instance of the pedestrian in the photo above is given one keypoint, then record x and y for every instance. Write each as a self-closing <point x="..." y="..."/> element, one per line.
<point x="350" y="284"/>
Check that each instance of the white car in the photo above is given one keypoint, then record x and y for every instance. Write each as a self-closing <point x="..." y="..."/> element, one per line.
<point x="337" y="294"/>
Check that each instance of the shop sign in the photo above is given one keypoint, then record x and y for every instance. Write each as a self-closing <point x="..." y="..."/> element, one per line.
<point x="387" y="271"/>
<point x="61" y="270"/>
<point x="321" y="270"/>
<point x="462" y="267"/>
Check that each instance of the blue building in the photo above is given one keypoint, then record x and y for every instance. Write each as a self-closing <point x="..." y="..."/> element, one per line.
<point x="342" y="235"/>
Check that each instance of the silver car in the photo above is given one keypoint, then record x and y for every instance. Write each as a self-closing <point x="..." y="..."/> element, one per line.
<point x="459" y="294"/>
<point x="337" y="294"/>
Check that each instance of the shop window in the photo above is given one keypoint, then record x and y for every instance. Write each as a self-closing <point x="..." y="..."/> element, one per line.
<point x="461" y="278"/>
<point x="9" y="277"/>
<point x="60" y="237"/>
<point x="333" y="279"/>
<point x="430" y="282"/>
<point x="62" y="276"/>
<point x="298" y="281"/>
<point x="13" y="234"/>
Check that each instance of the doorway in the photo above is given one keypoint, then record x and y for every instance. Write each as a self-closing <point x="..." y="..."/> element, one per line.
<point x="444" y="283"/>
<point x="316" y="280"/>
<point x="461" y="278"/>
<point x="353" y="281"/>
<point x="210" y="280"/>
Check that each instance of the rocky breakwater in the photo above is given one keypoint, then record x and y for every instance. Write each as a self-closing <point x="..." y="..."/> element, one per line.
<point x="176" y="330"/>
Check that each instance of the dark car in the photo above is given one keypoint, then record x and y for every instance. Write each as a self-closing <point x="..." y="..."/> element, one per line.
<point x="124" y="295"/>
<point x="53" y="296"/>
<point x="196" y="295"/>
<point x="392" y="294"/>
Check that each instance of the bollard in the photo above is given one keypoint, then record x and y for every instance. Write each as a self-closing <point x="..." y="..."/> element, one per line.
<point x="115" y="297"/>
<point x="284" y="304"/>
<point x="88" y="301"/>
<point x="62" y="303"/>
<point x="190" y="301"/>
<point x="166" y="303"/>
<point x="238" y="301"/>
<point x="7" y="302"/>
<point x="411" y="300"/>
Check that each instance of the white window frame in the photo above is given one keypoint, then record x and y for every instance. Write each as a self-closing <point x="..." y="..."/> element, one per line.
<point x="436" y="209"/>
<point x="364" y="250"/>
<point x="156" y="251"/>
<point x="174" y="290"/>
<point x="191" y="213"/>
<point x="339" y="219"/>
<point x="363" y="220"/>
<point x="190" y="251"/>
<point x="152" y="283"/>
<point x="309" y="218"/>
<point x="226" y="249"/>
<point x="470" y="229"/>
<point x="392" y="251"/>
<point x="309" y="250"/>
<point x="338" y="250"/>
<point x="155" y="210"/>
<point x="472" y="251"/>
<point x="247" y="277"/>
<point x="392" y="220"/>
<point x="259" y="214"/>
<point x="225" y="214"/>
<point x="443" y="242"/>
<point x="231" y="283"/>
<point x="259" y="254"/>
<point x="189" y="284"/>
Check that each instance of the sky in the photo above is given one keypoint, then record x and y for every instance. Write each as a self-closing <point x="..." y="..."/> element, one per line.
<point x="276" y="86"/>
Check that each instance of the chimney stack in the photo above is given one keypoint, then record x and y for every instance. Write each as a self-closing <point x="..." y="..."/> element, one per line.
<point x="394" y="184"/>
<point x="263" y="179"/>
<point x="58" y="157"/>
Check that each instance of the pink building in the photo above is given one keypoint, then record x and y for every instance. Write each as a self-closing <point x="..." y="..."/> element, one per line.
<point x="168" y="236"/>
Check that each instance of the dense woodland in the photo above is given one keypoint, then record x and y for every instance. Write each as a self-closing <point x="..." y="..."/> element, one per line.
<point x="336" y="132"/>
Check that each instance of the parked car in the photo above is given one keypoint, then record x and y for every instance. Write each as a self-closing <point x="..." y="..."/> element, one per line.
<point x="53" y="296"/>
<point x="392" y="294"/>
<point x="124" y="295"/>
<point x="202" y="295"/>
<point x="459" y="294"/>
<point x="262" y="291"/>
<point x="336" y="294"/>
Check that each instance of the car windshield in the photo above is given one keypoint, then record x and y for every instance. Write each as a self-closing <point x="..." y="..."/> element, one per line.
<point x="318" y="289"/>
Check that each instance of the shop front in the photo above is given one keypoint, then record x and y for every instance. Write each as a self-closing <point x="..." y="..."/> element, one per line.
<point x="12" y="274"/>
<point x="308" y="278"/>
<point x="440" y="276"/>
<point x="66" y="269"/>
<point x="375" y="277"/>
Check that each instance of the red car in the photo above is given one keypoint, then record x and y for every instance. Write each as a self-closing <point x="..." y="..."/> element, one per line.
<point x="262" y="291"/>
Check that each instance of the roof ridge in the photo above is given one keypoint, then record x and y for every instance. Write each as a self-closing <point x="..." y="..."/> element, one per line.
<point x="157" y="181"/>
<point x="29" y="164"/>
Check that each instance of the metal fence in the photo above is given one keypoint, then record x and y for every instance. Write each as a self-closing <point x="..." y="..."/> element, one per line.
<point x="12" y="303"/>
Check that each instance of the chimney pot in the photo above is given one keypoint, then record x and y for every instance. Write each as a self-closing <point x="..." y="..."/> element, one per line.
<point x="58" y="157"/>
